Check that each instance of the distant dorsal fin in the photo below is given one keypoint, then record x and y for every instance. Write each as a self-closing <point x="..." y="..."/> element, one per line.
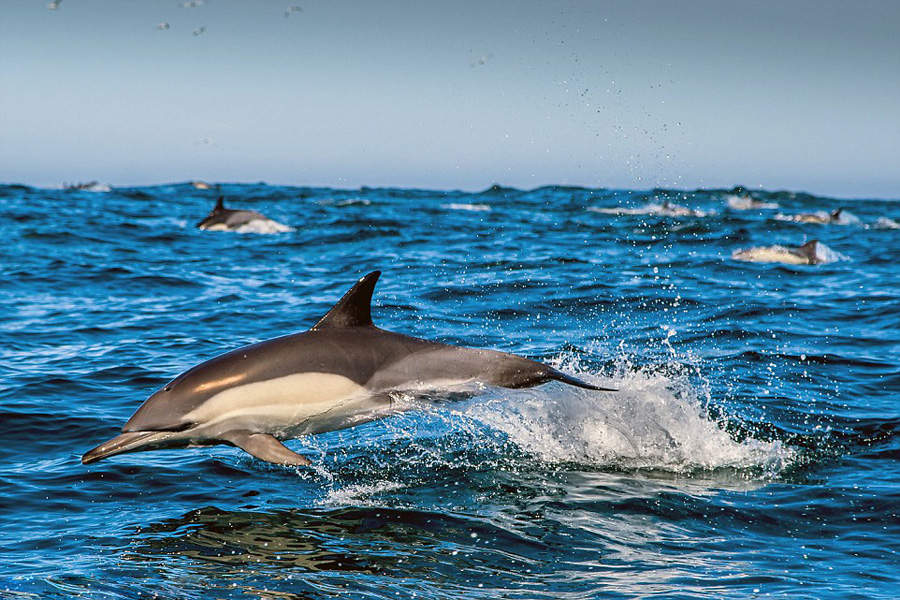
<point x="220" y="204"/>
<point x="809" y="249"/>
<point x="355" y="308"/>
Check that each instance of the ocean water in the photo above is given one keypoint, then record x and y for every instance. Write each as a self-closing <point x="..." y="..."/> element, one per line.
<point x="752" y="450"/>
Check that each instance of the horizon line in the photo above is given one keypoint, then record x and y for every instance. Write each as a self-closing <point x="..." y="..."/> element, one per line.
<point x="737" y="188"/>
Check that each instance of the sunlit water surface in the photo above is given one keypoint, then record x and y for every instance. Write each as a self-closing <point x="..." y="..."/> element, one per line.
<point x="752" y="450"/>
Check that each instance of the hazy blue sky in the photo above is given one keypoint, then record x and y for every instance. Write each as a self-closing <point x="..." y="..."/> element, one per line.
<point x="777" y="94"/>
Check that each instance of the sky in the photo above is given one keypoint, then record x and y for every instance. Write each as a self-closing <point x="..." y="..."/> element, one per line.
<point x="798" y="95"/>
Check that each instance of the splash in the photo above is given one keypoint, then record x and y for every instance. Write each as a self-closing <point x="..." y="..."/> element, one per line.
<point x="826" y="255"/>
<point x="654" y="422"/>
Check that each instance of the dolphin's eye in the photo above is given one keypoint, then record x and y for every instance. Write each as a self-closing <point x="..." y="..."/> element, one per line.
<point x="167" y="388"/>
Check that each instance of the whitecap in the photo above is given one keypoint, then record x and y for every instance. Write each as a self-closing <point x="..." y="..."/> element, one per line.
<point x="463" y="206"/>
<point x="886" y="223"/>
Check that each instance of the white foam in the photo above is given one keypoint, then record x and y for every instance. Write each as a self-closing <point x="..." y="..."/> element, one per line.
<point x="470" y="207"/>
<point x="825" y="255"/>
<point x="886" y="223"/>
<point x="652" y="422"/>
<point x="359" y="494"/>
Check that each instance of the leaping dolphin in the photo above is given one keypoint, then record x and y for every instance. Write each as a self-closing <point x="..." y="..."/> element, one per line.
<point x="343" y="372"/>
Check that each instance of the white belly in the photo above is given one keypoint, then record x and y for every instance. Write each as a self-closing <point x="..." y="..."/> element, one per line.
<point x="771" y="254"/>
<point x="286" y="406"/>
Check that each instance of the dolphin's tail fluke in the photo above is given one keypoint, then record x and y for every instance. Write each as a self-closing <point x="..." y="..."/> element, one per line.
<point x="555" y="375"/>
<point x="132" y="441"/>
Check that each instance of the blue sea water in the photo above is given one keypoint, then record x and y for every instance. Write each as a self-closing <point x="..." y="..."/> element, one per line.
<point x="751" y="450"/>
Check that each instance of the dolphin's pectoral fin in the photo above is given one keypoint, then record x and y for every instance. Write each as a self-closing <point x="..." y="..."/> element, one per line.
<point x="266" y="447"/>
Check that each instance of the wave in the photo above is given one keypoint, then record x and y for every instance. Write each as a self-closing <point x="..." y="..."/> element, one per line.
<point x="13" y="189"/>
<point x="499" y="190"/>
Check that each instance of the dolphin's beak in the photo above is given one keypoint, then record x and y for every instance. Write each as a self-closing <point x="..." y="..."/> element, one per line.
<point x="132" y="441"/>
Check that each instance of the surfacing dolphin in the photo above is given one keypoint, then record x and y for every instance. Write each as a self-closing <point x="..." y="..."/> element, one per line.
<point x="229" y="219"/>
<point x="811" y="253"/>
<point x="836" y="217"/>
<point x="343" y="372"/>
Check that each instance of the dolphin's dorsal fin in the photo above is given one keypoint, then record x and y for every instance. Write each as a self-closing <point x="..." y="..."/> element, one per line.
<point x="809" y="250"/>
<point x="355" y="308"/>
<point x="220" y="205"/>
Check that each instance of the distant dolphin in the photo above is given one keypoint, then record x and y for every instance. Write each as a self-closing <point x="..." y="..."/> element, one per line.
<point x="666" y="209"/>
<point x="821" y="218"/>
<point x="809" y="253"/>
<point x="227" y="219"/>
<point x="343" y="372"/>
<point x="90" y="186"/>
<point x="670" y="209"/>
<point x="837" y="217"/>
<point x="748" y="203"/>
